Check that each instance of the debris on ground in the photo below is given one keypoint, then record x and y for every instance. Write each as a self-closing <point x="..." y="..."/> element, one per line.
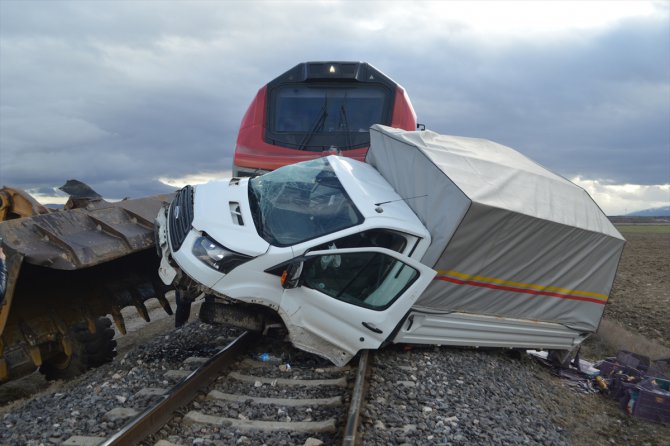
<point x="268" y="357"/>
<point x="579" y="374"/>
<point x="640" y="387"/>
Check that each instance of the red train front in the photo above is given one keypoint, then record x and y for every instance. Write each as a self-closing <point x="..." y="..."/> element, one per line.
<point x="316" y="109"/>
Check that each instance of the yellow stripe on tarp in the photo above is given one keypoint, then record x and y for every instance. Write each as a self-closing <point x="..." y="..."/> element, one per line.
<point x="530" y="286"/>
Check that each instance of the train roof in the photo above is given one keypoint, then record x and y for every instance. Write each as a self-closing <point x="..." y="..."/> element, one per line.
<point x="334" y="70"/>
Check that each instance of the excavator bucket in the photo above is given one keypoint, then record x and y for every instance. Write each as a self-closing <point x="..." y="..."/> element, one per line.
<point x="66" y="270"/>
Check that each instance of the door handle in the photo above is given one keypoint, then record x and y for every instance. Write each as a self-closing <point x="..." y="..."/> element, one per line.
<point x="371" y="327"/>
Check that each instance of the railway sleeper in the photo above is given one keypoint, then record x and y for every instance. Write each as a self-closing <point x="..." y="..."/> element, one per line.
<point x="195" y="417"/>
<point x="288" y="402"/>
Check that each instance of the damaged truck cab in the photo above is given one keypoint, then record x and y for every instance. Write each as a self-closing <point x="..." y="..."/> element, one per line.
<point x="434" y="239"/>
<point x="326" y="246"/>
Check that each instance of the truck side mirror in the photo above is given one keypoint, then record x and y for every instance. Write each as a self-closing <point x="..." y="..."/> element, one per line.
<point x="290" y="278"/>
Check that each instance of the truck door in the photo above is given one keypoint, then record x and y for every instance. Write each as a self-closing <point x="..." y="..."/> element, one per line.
<point x="345" y="300"/>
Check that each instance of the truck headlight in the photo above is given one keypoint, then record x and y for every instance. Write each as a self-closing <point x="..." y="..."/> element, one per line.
<point x="216" y="256"/>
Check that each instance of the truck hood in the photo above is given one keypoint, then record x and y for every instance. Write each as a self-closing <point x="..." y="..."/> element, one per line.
<point x="221" y="209"/>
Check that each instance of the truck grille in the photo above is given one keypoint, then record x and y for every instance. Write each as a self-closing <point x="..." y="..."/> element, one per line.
<point x="180" y="217"/>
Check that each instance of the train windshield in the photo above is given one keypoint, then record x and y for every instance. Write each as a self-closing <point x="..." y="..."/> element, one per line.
<point x="300" y="202"/>
<point x="317" y="117"/>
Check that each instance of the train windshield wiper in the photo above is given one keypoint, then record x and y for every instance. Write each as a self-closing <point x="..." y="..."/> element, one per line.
<point x="317" y="126"/>
<point x="345" y="121"/>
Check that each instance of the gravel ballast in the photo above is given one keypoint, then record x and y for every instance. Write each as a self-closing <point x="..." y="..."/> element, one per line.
<point x="424" y="395"/>
<point x="80" y="407"/>
<point x="454" y="396"/>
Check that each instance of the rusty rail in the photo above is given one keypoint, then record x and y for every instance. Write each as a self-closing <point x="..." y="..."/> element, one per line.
<point x="357" y="398"/>
<point x="155" y="417"/>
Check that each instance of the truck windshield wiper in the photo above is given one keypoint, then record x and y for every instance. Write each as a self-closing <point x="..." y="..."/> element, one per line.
<point x="318" y="125"/>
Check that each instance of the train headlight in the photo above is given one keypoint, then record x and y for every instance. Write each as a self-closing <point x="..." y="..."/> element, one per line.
<point x="216" y="256"/>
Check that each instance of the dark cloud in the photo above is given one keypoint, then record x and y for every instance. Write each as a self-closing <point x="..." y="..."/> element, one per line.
<point x="598" y="108"/>
<point x="118" y="94"/>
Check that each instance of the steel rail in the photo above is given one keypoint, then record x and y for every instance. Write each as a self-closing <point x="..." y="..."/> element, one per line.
<point x="153" y="418"/>
<point x="357" y="397"/>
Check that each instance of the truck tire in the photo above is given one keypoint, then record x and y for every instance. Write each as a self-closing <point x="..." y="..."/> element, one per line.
<point x="88" y="350"/>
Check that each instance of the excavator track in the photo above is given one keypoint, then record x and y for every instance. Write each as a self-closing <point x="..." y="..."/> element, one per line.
<point x="68" y="270"/>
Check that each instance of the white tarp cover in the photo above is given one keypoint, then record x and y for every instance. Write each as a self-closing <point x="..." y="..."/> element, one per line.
<point x="509" y="237"/>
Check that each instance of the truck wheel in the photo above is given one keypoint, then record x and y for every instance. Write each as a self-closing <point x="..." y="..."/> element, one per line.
<point x="88" y="350"/>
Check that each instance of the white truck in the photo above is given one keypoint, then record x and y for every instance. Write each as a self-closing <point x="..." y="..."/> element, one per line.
<point x="434" y="239"/>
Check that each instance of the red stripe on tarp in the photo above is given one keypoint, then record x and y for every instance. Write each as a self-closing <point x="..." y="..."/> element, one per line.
<point x="518" y="290"/>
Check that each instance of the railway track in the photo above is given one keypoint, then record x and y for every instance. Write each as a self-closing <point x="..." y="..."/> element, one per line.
<point x="250" y="392"/>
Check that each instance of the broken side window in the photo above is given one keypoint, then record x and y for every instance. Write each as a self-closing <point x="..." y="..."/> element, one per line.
<point x="377" y="238"/>
<point x="368" y="279"/>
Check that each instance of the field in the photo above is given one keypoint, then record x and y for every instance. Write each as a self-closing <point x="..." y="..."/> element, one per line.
<point x="636" y="319"/>
<point x="643" y="229"/>
<point x="640" y="298"/>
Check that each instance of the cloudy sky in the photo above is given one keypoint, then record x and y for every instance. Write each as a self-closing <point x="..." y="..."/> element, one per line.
<point x="136" y="97"/>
